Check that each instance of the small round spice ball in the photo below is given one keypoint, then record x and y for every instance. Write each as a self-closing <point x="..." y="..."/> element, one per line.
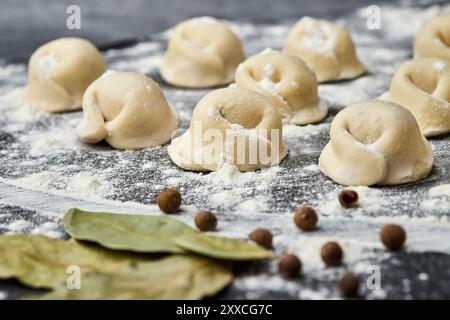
<point x="349" y="284"/>
<point x="262" y="237"/>
<point x="205" y="221"/>
<point x="169" y="200"/>
<point x="332" y="254"/>
<point x="290" y="266"/>
<point x="305" y="218"/>
<point x="393" y="236"/>
<point x="348" y="198"/>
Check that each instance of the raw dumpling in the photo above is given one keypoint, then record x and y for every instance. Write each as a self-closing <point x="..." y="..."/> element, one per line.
<point x="233" y="126"/>
<point x="288" y="82"/>
<point x="375" y="142"/>
<point x="326" y="47"/>
<point x="128" y="110"/>
<point x="423" y="87"/>
<point x="60" y="71"/>
<point x="202" y="52"/>
<point x="433" y="39"/>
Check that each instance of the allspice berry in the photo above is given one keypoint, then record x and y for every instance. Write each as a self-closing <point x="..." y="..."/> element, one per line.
<point x="169" y="200"/>
<point x="261" y="236"/>
<point x="290" y="266"/>
<point x="348" y="198"/>
<point x="349" y="284"/>
<point x="305" y="218"/>
<point x="393" y="236"/>
<point x="205" y="221"/>
<point x="332" y="254"/>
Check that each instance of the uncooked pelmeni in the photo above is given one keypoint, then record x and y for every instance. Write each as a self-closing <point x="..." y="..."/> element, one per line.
<point x="423" y="87"/>
<point x="288" y="82"/>
<point x="233" y="126"/>
<point x="375" y="142"/>
<point x="326" y="47"/>
<point x="433" y="39"/>
<point x="127" y="110"/>
<point x="202" y="52"/>
<point x="60" y="71"/>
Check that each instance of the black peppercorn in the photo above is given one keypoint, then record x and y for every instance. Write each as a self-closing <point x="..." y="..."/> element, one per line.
<point x="332" y="254"/>
<point x="205" y="221"/>
<point x="393" y="236"/>
<point x="305" y="218"/>
<point x="290" y="266"/>
<point x="348" y="198"/>
<point x="169" y="200"/>
<point x="349" y="284"/>
<point x="262" y="237"/>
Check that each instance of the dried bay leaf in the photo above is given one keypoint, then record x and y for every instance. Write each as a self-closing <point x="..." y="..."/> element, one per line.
<point x="155" y="234"/>
<point x="128" y="232"/>
<point x="222" y="248"/>
<point x="42" y="262"/>
<point x="172" y="277"/>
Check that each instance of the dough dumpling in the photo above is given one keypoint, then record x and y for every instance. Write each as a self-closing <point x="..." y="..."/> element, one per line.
<point x="375" y="142"/>
<point x="288" y="82"/>
<point x="232" y="126"/>
<point x="60" y="71"/>
<point x="433" y="39"/>
<point x="326" y="47"/>
<point x="423" y="87"/>
<point x="202" y="52"/>
<point x="128" y="110"/>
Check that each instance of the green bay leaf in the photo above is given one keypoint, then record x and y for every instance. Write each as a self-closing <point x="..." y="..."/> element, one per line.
<point x="42" y="262"/>
<point x="152" y="234"/>
<point x="221" y="248"/>
<point x="138" y="233"/>
<point x="172" y="277"/>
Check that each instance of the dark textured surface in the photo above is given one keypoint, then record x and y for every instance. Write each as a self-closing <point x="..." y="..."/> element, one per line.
<point x="33" y="147"/>
<point x="26" y="24"/>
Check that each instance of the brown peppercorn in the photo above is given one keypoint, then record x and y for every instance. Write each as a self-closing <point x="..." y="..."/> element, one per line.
<point x="348" y="198"/>
<point x="305" y="218"/>
<point x="349" y="284"/>
<point x="262" y="237"/>
<point x="290" y="266"/>
<point x="393" y="236"/>
<point x="205" y="221"/>
<point x="169" y="200"/>
<point x="332" y="254"/>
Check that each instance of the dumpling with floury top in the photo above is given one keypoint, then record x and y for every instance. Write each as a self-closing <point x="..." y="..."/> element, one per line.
<point x="375" y="143"/>
<point x="59" y="73"/>
<point x="231" y="126"/>
<point x="202" y="52"/>
<point x="423" y="87"/>
<point x="326" y="47"/>
<point x="128" y="111"/>
<point x="288" y="82"/>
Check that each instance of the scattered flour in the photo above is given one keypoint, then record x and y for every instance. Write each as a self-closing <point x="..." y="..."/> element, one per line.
<point x="369" y="201"/>
<point x="81" y="185"/>
<point x="47" y="64"/>
<point x="442" y="190"/>
<point x="253" y="205"/>
<point x="55" y="140"/>
<point x="439" y="199"/>
<point x="293" y="131"/>
<point x="18" y="225"/>
<point x="312" y="168"/>
<point x="229" y="174"/>
<point x="319" y="36"/>
<point x="438" y="66"/>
